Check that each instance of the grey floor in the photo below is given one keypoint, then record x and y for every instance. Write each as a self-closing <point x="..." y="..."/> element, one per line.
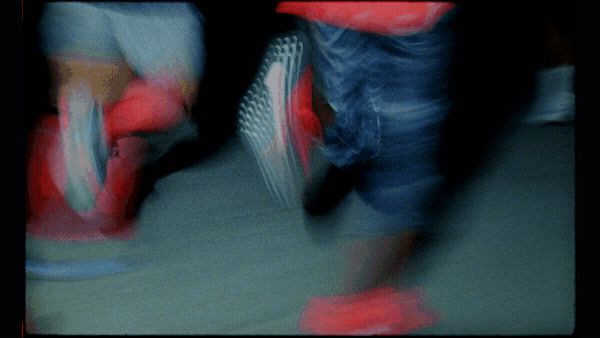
<point x="223" y="258"/>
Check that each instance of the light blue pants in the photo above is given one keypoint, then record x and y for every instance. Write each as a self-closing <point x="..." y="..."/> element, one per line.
<point x="150" y="37"/>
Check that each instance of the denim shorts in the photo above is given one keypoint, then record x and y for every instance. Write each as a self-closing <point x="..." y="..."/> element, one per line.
<point x="390" y="97"/>
<point x="151" y="37"/>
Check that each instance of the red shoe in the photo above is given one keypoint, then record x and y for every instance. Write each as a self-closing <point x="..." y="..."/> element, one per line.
<point x="50" y="216"/>
<point x="378" y="311"/>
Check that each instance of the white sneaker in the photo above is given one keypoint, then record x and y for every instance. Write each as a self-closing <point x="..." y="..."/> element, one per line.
<point x="265" y="121"/>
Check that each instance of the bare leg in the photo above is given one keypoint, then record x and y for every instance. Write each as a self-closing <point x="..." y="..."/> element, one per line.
<point x="377" y="262"/>
<point x="107" y="80"/>
<point x="371" y="262"/>
<point x="189" y="89"/>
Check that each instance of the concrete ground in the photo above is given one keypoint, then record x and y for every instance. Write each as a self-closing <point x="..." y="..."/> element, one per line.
<point x="223" y="258"/>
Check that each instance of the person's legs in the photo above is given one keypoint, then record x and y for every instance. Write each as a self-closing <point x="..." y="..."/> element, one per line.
<point x="106" y="79"/>
<point x="139" y="63"/>
<point x="377" y="262"/>
<point x="163" y="44"/>
<point x="87" y="71"/>
<point x="162" y="41"/>
<point x="329" y="187"/>
<point x="78" y="42"/>
<point x="336" y="100"/>
<point x="398" y="187"/>
<point x="408" y="91"/>
<point x="396" y="115"/>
